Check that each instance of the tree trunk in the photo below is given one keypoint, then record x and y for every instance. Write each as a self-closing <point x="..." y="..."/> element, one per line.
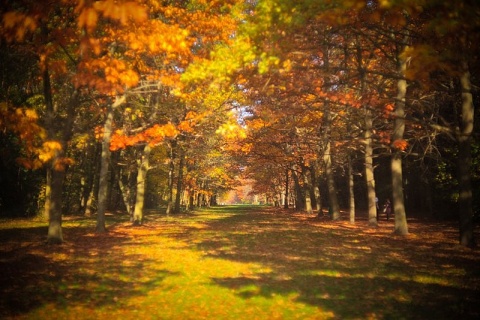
<point x="369" y="174"/>
<point x="191" y="199"/>
<point x="90" y="171"/>
<point x="318" y="197"/>
<point x="316" y="190"/>
<point x="398" y="200"/>
<point x="178" y="195"/>
<point x="92" y="203"/>
<point x="351" y="193"/>
<point x="285" y="204"/>
<point x="126" y="195"/>
<point x="306" y="190"/>
<point x="55" y="177"/>
<point x="300" y="201"/>
<point x="141" y="179"/>
<point x="465" y="200"/>
<point x="171" y="173"/>
<point x="334" y="206"/>
<point x="104" y="165"/>
<point x="54" y="204"/>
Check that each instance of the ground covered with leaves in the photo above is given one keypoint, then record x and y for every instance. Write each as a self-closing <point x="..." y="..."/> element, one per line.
<point x="238" y="262"/>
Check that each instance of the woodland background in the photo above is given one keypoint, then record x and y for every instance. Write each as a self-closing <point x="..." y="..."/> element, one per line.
<point x="124" y="106"/>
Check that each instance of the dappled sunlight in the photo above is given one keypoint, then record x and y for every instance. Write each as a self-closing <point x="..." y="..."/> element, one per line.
<point x="250" y="263"/>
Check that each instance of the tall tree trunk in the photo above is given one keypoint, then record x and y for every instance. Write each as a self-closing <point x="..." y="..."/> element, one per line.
<point x="306" y="190"/>
<point x="369" y="174"/>
<point x="191" y="199"/>
<point x="464" y="162"/>
<point x="141" y="179"/>
<point x="126" y="195"/>
<point x="334" y="206"/>
<point x="351" y="192"/>
<point x="54" y="187"/>
<point x="318" y="197"/>
<point x="104" y="165"/>
<point x="300" y="201"/>
<point x="398" y="200"/>
<point x="88" y="182"/>
<point x="368" y="155"/>
<point x="171" y="173"/>
<point x="316" y="190"/>
<point x="92" y="204"/>
<point x="178" y="195"/>
<point x="54" y="204"/>
<point x="285" y="204"/>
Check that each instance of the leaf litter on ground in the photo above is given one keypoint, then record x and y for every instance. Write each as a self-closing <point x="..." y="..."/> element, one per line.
<point x="237" y="262"/>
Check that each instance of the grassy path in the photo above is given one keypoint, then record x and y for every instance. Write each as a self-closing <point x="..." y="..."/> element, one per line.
<point x="237" y="263"/>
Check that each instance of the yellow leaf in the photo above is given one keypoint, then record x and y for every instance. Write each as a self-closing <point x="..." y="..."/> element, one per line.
<point x="88" y="19"/>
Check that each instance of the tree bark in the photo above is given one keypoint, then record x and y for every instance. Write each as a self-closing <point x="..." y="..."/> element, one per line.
<point x="334" y="206"/>
<point x="178" y="195"/>
<point x="369" y="174"/>
<point x="285" y="204"/>
<point x="306" y="190"/>
<point x="90" y="171"/>
<point x="141" y="181"/>
<point x="300" y="201"/>
<point x="398" y="200"/>
<point x="171" y="173"/>
<point x="316" y="190"/>
<point x="351" y="192"/>
<point x="464" y="162"/>
<point x="126" y="195"/>
<point x="54" y="207"/>
<point x="104" y="165"/>
<point x="191" y="199"/>
<point x="332" y="191"/>
<point x="55" y="177"/>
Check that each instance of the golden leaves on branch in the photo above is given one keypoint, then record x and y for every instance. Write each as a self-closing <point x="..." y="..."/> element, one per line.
<point x="122" y="12"/>
<point x="36" y="151"/>
<point x="16" y="25"/>
<point x="88" y="19"/>
<point x="107" y="75"/>
<point x="153" y="136"/>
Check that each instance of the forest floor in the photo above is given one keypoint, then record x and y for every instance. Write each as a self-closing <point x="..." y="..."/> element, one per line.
<point x="237" y="262"/>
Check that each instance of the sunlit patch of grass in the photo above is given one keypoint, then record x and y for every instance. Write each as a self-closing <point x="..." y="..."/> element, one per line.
<point x="224" y="263"/>
<point x="324" y="272"/>
<point x="429" y="279"/>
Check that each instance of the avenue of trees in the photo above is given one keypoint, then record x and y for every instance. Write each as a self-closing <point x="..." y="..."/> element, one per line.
<point x="129" y="105"/>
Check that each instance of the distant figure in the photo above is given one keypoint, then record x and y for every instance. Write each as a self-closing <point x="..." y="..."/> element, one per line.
<point x="387" y="208"/>
<point x="377" y="207"/>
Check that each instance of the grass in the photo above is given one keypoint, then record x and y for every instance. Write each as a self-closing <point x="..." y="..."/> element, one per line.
<point x="238" y="262"/>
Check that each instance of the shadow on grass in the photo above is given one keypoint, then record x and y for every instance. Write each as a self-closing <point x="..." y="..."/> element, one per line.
<point x="354" y="271"/>
<point x="87" y="270"/>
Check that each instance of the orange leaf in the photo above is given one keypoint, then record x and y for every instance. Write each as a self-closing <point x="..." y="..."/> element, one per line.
<point x="400" y="144"/>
